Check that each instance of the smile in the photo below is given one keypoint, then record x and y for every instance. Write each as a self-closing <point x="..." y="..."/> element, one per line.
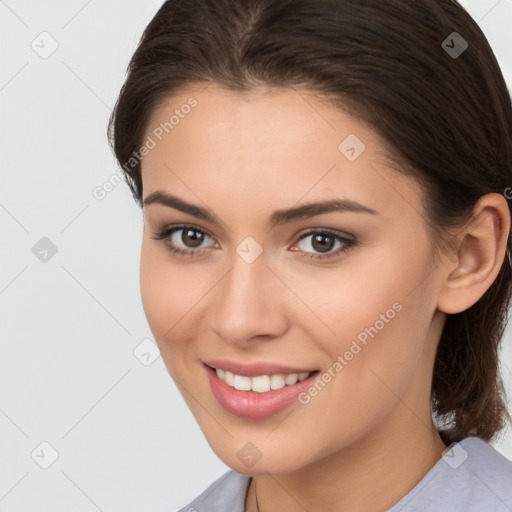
<point x="259" y="395"/>
<point x="260" y="383"/>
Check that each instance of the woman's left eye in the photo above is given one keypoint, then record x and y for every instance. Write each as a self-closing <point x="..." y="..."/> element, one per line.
<point x="324" y="241"/>
<point x="191" y="238"/>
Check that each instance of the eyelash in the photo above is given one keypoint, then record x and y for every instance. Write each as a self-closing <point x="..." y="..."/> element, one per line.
<point x="166" y="233"/>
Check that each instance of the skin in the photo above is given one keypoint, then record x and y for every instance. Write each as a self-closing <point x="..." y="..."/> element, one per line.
<point x="367" y="438"/>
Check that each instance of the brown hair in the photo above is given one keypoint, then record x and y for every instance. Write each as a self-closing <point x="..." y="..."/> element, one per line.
<point x="444" y="119"/>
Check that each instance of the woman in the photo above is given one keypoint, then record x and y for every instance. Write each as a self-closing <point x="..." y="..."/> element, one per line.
<point x="325" y="261"/>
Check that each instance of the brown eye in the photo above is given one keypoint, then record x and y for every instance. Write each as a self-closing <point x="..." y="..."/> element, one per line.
<point x="322" y="242"/>
<point x="192" y="237"/>
<point x="184" y="240"/>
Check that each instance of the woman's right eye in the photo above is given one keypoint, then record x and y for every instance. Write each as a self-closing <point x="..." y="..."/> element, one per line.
<point x="183" y="240"/>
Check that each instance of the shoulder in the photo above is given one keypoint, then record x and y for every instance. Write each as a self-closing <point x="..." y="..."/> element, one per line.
<point x="482" y="453"/>
<point x="226" y="493"/>
<point x="471" y="476"/>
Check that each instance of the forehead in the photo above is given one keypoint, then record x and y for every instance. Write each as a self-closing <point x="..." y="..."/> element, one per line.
<point x="275" y="146"/>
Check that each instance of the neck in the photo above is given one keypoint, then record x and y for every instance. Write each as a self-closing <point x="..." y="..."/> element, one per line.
<point x="372" y="474"/>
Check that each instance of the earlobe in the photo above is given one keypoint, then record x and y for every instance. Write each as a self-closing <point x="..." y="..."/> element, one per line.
<point x="479" y="257"/>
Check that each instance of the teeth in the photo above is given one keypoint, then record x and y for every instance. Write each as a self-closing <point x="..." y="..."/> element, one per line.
<point x="261" y="383"/>
<point x="242" y="383"/>
<point x="277" y="381"/>
<point x="229" y="378"/>
<point x="291" y="379"/>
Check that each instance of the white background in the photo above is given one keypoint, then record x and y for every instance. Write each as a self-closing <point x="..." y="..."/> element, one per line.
<point x="68" y="375"/>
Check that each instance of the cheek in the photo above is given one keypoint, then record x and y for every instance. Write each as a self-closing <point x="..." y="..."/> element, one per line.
<point x="379" y="320"/>
<point x="173" y="296"/>
<point x="166" y="292"/>
<point x="166" y="299"/>
<point x="157" y="293"/>
<point x="353" y="301"/>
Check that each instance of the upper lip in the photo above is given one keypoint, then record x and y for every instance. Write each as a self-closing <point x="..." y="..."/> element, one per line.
<point x="254" y="369"/>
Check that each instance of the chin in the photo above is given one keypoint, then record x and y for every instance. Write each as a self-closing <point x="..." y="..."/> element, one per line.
<point x="259" y="458"/>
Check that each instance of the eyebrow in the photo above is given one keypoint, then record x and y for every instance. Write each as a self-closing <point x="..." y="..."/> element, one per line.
<point x="277" y="218"/>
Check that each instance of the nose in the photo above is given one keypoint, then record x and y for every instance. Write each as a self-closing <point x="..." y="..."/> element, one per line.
<point x="249" y="303"/>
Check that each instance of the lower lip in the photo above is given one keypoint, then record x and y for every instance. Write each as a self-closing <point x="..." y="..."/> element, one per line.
<point x="254" y="405"/>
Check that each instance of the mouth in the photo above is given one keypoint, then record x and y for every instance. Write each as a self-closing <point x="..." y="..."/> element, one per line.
<point x="260" y="383"/>
<point x="260" y="395"/>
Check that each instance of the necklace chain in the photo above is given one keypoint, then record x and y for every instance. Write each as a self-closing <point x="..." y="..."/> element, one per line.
<point x="256" y="498"/>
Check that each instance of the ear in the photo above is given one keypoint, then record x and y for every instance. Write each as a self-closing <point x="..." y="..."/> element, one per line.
<point x="480" y="251"/>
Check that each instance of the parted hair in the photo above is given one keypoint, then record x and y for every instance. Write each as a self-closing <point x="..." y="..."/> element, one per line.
<point x="442" y="110"/>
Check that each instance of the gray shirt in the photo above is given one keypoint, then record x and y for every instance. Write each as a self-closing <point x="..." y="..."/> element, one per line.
<point x="472" y="476"/>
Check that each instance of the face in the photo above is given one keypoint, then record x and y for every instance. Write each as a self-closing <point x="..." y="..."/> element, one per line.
<point x="347" y="292"/>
